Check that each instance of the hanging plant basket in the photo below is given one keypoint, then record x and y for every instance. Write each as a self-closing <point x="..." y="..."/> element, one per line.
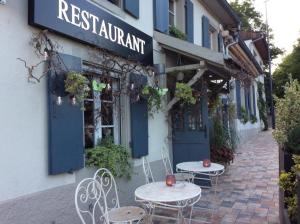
<point x="185" y="94"/>
<point x="154" y="96"/>
<point x="77" y="85"/>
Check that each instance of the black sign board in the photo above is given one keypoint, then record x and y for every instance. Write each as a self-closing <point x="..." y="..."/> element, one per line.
<point x="87" y="23"/>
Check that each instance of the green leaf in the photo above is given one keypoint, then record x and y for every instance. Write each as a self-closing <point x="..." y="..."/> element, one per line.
<point x="98" y="86"/>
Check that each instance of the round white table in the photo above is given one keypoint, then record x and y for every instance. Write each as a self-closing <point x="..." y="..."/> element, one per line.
<point x="198" y="168"/>
<point x="179" y="196"/>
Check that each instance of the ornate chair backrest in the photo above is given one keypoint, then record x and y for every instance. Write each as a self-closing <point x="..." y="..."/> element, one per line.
<point x="90" y="202"/>
<point x="147" y="171"/>
<point x="166" y="161"/>
<point x="109" y="186"/>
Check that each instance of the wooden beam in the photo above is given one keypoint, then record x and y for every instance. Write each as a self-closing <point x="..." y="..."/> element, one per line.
<point x="183" y="68"/>
<point x="190" y="83"/>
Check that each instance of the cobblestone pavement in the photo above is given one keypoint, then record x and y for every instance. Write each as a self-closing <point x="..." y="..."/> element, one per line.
<point x="248" y="190"/>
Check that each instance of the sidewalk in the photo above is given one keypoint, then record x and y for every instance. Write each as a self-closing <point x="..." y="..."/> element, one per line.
<point x="248" y="190"/>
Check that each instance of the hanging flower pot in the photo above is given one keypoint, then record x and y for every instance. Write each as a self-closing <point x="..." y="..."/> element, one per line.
<point x="77" y="85"/>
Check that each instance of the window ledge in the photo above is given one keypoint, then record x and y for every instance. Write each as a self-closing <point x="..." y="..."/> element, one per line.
<point x="108" y="6"/>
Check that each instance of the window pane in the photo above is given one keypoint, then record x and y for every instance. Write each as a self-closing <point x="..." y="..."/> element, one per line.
<point x="116" y="2"/>
<point x="107" y="113"/>
<point x="89" y="127"/>
<point x="171" y="20"/>
<point x="107" y="132"/>
<point x="106" y="93"/>
<point x="90" y="93"/>
<point x="171" y="6"/>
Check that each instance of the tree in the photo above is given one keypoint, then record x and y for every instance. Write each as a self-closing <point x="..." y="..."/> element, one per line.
<point x="252" y="21"/>
<point x="289" y="65"/>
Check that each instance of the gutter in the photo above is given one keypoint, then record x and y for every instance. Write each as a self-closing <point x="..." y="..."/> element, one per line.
<point x="228" y="8"/>
<point x="250" y="55"/>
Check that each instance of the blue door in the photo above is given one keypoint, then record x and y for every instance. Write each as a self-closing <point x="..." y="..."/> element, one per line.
<point x="190" y="132"/>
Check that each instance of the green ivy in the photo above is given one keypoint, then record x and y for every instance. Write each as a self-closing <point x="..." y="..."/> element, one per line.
<point x="173" y="31"/>
<point x="108" y="155"/>
<point x="288" y="182"/>
<point x="244" y="115"/>
<point x="184" y="93"/>
<point x="253" y="119"/>
<point x="77" y="85"/>
<point x="154" y="97"/>
<point x="262" y="106"/>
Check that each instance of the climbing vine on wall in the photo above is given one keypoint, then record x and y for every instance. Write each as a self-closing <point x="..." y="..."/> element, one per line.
<point x="262" y="106"/>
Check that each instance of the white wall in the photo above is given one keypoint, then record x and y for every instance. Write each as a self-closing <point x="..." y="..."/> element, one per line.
<point x="252" y="48"/>
<point x="199" y="11"/>
<point x="23" y="118"/>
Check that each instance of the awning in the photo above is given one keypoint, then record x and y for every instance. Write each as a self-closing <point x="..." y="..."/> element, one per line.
<point x="189" y="49"/>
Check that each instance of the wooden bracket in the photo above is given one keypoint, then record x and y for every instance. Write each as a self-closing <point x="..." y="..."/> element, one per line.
<point x="183" y="68"/>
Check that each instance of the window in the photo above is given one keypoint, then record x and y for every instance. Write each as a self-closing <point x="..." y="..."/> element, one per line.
<point x="172" y="13"/>
<point x="116" y="2"/>
<point x="213" y="38"/>
<point x="101" y="118"/>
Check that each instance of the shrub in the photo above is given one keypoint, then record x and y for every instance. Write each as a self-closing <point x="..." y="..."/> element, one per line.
<point x="287" y="113"/>
<point x="108" y="155"/>
<point x="222" y="155"/>
<point x="288" y="182"/>
<point x="244" y="116"/>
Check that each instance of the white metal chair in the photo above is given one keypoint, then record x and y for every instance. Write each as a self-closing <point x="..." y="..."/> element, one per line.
<point x="181" y="176"/>
<point x="116" y="213"/>
<point x="90" y="202"/>
<point x="147" y="171"/>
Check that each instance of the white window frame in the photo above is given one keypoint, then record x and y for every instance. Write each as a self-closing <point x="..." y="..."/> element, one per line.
<point x="173" y="13"/>
<point x="120" y="3"/>
<point x="97" y="107"/>
<point x="213" y="37"/>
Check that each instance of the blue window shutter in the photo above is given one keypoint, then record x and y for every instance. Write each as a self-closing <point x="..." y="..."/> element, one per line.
<point x="220" y="42"/>
<point x="238" y="97"/>
<point x="254" y="101"/>
<point x="132" y="7"/>
<point x="139" y="120"/>
<point x="205" y="32"/>
<point x="66" y="146"/>
<point x="247" y="101"/>
<point x="161" y="15"/>
<point x="189" y="20"/>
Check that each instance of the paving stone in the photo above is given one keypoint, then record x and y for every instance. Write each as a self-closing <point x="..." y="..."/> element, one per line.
<point x="248" y="190"/>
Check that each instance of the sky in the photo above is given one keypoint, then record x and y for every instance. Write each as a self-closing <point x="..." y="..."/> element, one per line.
<point x="284" y="19"/>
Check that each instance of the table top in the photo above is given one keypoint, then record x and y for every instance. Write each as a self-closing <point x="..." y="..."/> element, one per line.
<point x="197" y="166"/>
<point x="160" y="192"/>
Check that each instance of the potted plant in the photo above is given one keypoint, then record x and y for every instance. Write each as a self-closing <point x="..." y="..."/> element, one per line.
<point x="253" y="119"/>
<point x="114" y="157"/>
<point x="175" y="32"/>
<point x="153" y="96"/>
<point x="184" y="93"/>
<point x="77" y="85"/>
<point x="244" y="116"/>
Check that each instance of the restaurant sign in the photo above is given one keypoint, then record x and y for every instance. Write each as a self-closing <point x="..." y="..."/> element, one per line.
<point x="87" y="23"/>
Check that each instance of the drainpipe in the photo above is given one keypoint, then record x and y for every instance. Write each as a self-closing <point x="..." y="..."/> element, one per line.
<point x="226" y="55"/>
<point x="236" y="41"/>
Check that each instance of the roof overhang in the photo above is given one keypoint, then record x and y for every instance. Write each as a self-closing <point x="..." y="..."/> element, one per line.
<point x="241" y="55"/>
<point x="223" y="11"/>
<point x="189" y="49"/>
<point x="259" y="42"/>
